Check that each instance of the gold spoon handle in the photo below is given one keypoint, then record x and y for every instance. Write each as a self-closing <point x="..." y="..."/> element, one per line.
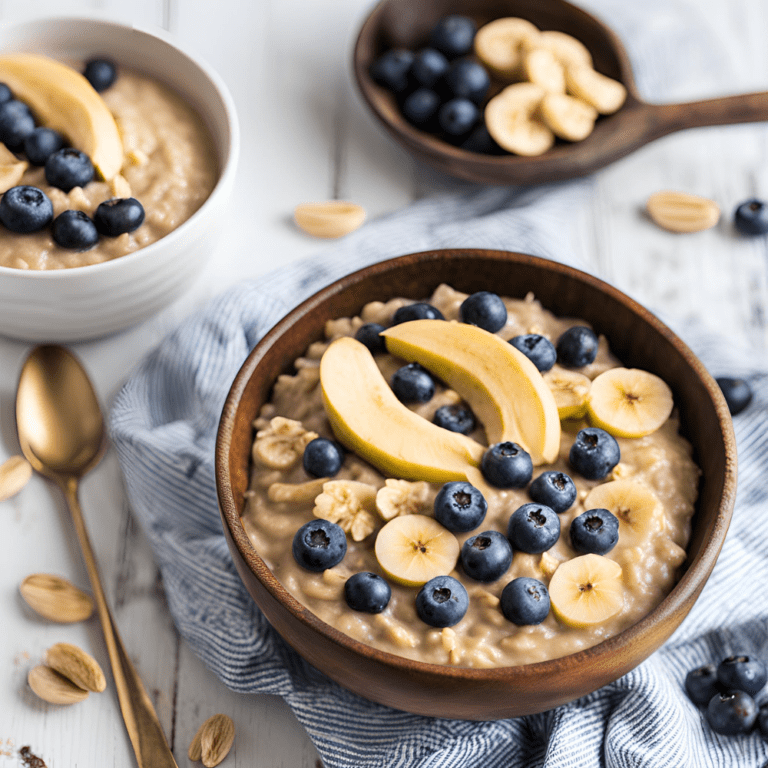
<point x="140" y="718"/>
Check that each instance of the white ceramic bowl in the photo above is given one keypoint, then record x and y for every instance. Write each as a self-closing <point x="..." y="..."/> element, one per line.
<point x="84" y="302"/>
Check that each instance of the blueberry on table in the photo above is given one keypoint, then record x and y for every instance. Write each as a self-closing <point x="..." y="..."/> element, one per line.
<point x="367" y="592"/>
<point x="429" y="65"/>
<point x="455" y="418"/>
<point x="486" y="556"/>
<point x="413" y="384"/>
<point x="119" y="215"/>
<point x="701" y="684"/>
<point x="459" y="506"/>
<point x="538" y="349"/>
<point x="420" y="107"/>
<point x="743" y="673"/>
<point x="368" y="334"/>
<point x="392" y="69"/>
<point x="555" y="489"/>
<point x="458" y="116"/>
<point x="466" y="79"/>
<point x="533" y="528"/>
<point x="319" y="544"/>
<point x="41" y="144"/>
<point x="737" y="393"/>
<point x="577" y="347"/>
<point x="594" y="453"/>
<point x="507" y="465"/>
<point x="25" y="209"/>
<point x="595" y="531"/>
<point x="421" y="310"/>
<point x="751" y="217"/>
<point x="731" y="713"/>
<point x="5" y="93"/>
<point x="453" y="35"/>
<point x="525" y="601"/>
<point x="322" y="457"/>
<point x="100" y="73"/>
<point x="68" y="168"/>
<point x="16" y="123"/>
<point x="74" y="229"/>
<point x="442" y="602"/>
<point x="484" y="309"/>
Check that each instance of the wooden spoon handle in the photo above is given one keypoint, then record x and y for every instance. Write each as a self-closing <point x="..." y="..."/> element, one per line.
<point x="741" y="108"/>
<point x="144" y="729"/>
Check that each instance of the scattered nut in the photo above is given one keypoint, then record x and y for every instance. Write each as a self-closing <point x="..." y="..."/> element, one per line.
<point x="605" y="94"/>
<point x="296" y="492"/>
<point x="334" y="218"/>
<point x="55" y="598"/>
<point x="213" y="740"/>
<point x="350" y="504"/>
<point x="682" y="212"/>
<point x="282" y="444"/>
<point x="402" y="497"/>
<point x="567" y="117"/>
<point x="77" y="666"/>
<point x="54" y="688"/>
<point x="14" y="475"/>
<point x="11" y="169"/>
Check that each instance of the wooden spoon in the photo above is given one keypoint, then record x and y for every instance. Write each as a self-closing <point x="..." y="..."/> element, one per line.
<point x="406" y="23"/>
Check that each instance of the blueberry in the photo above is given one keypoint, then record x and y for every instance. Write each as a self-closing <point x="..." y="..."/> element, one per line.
<point x="16" y="123"/>
<point x="467" y="79"/>
<point x="538" y="349"/>
<point x="701" y="684"/>
<point x="577" y="347"/>
<point x="392" y="69"/>
<point x="119" y="215"/>
<point x="413" y="384"/>
<point x="418" y="311"/>
<point x="368" y="334"/>
<point x="762" y="722"/>
<point x="453" y="36"/>
<point x="751" y="217"/>
<point x="479" y="140"/>
<point x="367" y="592"/>
<point x="525" y="601"/>
<point x="74" y="229"/>
<point x="737" y="393"/>
<point x="507" y="465"/>
<point x="429" y="65"/>
<point x="533" y="528"/>
<point x="487" y="556"/>
<point x="460" y="507"/>
<point x="484" y="309"/>
<point x="731" y="713"/>
<point x="555" y="489"/>
<point x="420" y="107"/>
<point x="455" y="418"/>
<point x="442" y="602"/>
<point x="458" y="116"/>
<point x="41" y="144"/>
<point x="68" y="168"/>
<point x="25" y="209"/>
<point x="5" y="93"/>
<point x="742" y="673"/>
<point x="322" y="457"/>
<point x="594" y="453"/>
<point x="595" y="531"/>
<point x="319" y="544"/>
<point x="100" y="73"/>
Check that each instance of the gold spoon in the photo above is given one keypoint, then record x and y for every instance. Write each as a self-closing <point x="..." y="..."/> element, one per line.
<point x="61" y="431"/>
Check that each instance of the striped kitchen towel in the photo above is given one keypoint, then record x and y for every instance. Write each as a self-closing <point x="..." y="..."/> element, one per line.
<point x="163" y="424"/>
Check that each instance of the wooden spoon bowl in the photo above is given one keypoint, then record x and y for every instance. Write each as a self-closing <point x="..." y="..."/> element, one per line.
<point x="406" y="23"/>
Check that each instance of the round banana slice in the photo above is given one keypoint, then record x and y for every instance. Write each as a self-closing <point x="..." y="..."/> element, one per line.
<point x="568" y="118"/>
<point x="629" y="402"/>
<point x="540" y="66"/>
<point x="509" y="118"/>
<point x="570" y="389"/>
<point x="497" y="45"/>
<point x="604" y="93"/>
<point x="640" y="514"/>
<point x="586" y="591"/>
<point x="568" y="50"/>
<point x="11" y="169"/>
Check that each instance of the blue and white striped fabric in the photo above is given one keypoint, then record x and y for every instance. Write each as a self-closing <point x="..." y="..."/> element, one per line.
<point x="163" y="424"/>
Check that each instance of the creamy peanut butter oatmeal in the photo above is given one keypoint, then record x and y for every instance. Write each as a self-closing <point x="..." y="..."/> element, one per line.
<point x="653" y="531"/>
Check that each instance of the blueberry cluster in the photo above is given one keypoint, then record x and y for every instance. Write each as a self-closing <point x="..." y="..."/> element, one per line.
<point x="441" y="88"/>
<point x="727" y="693"/>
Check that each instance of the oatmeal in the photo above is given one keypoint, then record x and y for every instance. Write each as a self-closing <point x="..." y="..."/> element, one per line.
<point x="650" y="491"/>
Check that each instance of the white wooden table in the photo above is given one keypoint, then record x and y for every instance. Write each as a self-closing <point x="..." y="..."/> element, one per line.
<point x="307" y="136"/>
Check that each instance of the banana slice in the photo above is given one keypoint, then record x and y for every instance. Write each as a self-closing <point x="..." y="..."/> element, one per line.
<point x="567" y="49"/>
<point x="64" y="100"/>
<point x="586" y="591"/>
<point x="628" y="402"/>
<point x="570" y="389"/>
<point x="412" y="549"/>
<point x="640" y="514"/>
<point x="510" y="119"/>
<point x="568" y="118"/>
<point x="541" y="67"/>
<point x="11" y="169"/>
<point x="497" y="45"/>
<point x="604" y="93"/>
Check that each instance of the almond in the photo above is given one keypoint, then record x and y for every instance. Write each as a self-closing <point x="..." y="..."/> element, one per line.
<point x="76" y="665"/>
<point x="682" y="212"/>
<point x="14" y="475"/>
<point x="55" y="598"/>
<point x="333" y="218"/>
<point x="213" y="740"/>
<point x="54" y="688"/>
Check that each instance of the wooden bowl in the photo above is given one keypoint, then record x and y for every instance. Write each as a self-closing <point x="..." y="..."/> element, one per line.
<point x="406" y="24"/>
<point x="636" y="336"/>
